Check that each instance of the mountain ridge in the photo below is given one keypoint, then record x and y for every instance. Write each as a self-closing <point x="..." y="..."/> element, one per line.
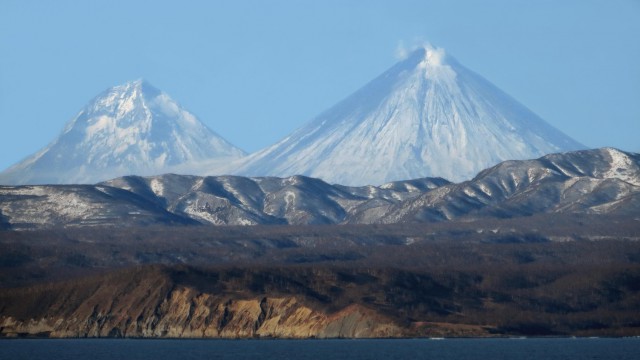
<point x="601" y="181"/>
<point x="590" y="181"/>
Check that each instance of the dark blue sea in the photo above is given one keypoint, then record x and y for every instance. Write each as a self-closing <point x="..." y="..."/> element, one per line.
<point x="493" y="349"/>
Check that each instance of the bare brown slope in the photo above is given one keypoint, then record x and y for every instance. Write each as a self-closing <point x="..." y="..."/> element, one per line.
<point x="160" y="302"/>
<point x="305" y="302"/>
<point x="541" y="275"/>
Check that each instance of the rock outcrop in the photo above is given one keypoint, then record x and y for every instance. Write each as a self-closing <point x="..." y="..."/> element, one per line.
<point x="150" y="305"/>
<point x="509" y="289"/>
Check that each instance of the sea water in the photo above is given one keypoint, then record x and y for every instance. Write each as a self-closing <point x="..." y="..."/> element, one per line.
<point x="494" y="349"/>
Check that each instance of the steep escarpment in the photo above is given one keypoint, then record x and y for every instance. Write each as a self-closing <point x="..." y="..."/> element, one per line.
<point x="534" y="296"/>
<point x="543" y="276"/>
<point x="159" y="302"/>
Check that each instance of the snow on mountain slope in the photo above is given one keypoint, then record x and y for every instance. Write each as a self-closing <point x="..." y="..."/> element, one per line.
<point x="599" y="181"/>
<point x="426" y="116"/>
<point x="128" y="129"/>
<point x="55" y="206"/>
<point x="236" y="200"/>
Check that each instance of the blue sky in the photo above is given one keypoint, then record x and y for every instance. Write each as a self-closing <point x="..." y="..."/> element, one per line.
<point x="253" y="71"/>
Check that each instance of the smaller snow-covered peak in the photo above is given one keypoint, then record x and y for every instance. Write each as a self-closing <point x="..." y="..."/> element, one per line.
<point x="142" y="86"/>
<point x="137" y="85"/>
<point x="114" y="97"/>
<point x="132" y="128"/>
<point x="125" y="94"/>
<point x="135" y="99"/>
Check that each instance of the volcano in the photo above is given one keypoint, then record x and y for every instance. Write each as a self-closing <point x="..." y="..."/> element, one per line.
<point x="427" y="116"/>
<point x="128" y="129"/>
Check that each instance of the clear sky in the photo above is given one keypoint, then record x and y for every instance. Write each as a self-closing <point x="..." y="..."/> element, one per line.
<point x="254" y="71"/>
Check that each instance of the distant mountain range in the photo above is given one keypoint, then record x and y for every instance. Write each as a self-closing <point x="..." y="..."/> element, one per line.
<point x="602" y="181"/>
<point x="427" y="116"/>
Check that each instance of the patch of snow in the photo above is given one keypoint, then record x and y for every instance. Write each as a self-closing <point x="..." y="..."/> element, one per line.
<point x="409" y="241"/>
<point x="622" y="167"/>
<point x="289" y="199"/>
<point x="245" y="222"/>
<point x="157" y="186"/>
<point x="469" y="191"/>
<point x="102" y="123"/>
<point x="485" y="189"/>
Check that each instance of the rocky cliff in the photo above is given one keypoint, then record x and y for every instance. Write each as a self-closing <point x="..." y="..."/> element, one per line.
<point x="562" y="290"/>
<point x="151" y="304"/>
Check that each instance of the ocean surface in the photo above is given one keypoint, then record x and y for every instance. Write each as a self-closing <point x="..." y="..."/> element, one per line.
<point x="494" y="349"/>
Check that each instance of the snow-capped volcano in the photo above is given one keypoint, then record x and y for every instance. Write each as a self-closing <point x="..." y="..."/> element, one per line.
<point x="426" y="116"/>
<point x="128" y="129"/>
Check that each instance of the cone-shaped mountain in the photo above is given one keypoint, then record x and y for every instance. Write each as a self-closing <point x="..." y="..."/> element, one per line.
<point x="128" y="129"/>
<point x="426" y="116"/>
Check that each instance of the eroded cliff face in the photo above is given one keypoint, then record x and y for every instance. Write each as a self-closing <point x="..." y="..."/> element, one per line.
<point x="334" y="301"/>
<point x="151" y="305"/>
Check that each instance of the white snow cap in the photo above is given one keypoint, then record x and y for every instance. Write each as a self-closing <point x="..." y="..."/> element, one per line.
<point x="425" y="116"/>
<point x="133" y="128"/>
